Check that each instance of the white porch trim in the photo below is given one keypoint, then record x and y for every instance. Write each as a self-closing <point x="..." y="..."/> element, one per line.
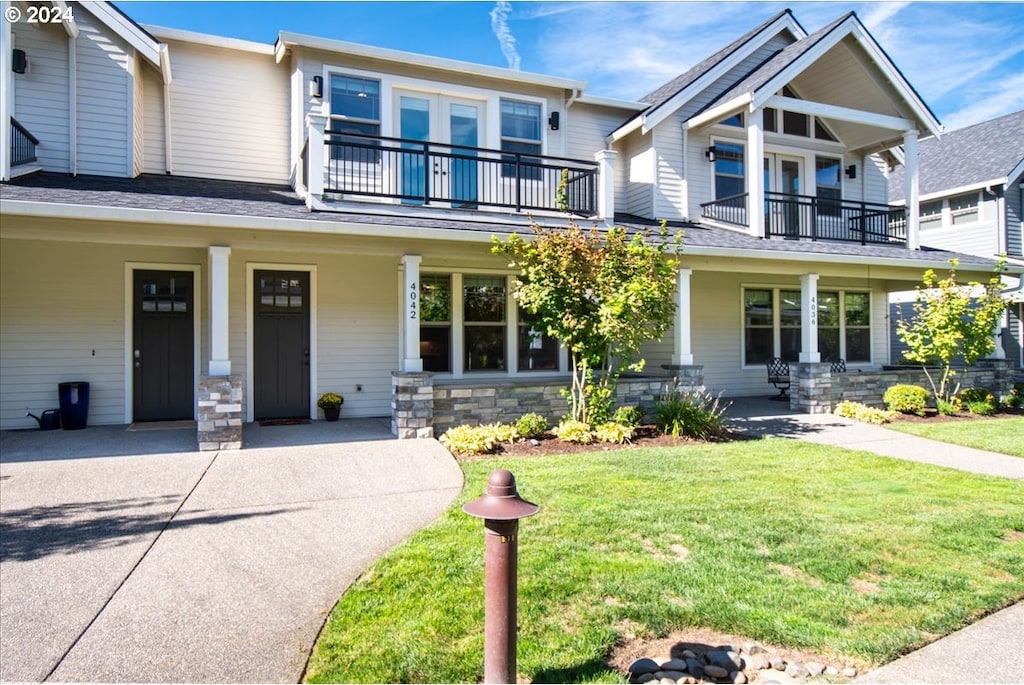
<point x="682" y="350"/>
<point x="856" y="116"/>
<point x="809" y="353"/>
<point x="754" y="173"/>
<point x="606" y="184"/>
<point x="220" y="356"/>
<point x="912" y="190"/>
<point x="411" y="360"/>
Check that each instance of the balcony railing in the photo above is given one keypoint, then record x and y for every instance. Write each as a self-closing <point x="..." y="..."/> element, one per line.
<point x="452" y="176"/>
<point x="23" y="145"/>
<point x="815" y="218"/>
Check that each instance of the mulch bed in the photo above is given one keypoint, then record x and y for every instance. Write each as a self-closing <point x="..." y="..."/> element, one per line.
<point x="933" y="416"/>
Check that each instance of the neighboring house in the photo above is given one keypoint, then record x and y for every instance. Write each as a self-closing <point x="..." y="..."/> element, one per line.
<point x="971" y="200"/>
<point x="207" y="217"/>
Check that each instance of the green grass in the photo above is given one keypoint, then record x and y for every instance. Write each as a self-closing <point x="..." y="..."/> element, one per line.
<point x="791" y="543"/>
<point x="1005" y="436"/>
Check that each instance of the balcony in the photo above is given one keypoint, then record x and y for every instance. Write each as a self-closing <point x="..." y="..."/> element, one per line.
<point x="814" y="218"/>
<point x="424" y="173"/>
<point x="23" y="145"/>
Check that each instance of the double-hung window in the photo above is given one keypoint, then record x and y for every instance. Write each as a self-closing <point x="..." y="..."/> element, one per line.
<point x="355" y="109"/>
<point x="484" y="326"/>
<point x="538" y="351"/>
<point x="828" y="178"/>
<point x="436" y="322"/>
<point x="931" y="214"/>
<point x="728" y="170"/>
<point x="964" y="208"/>
<point x="521" y="135"/>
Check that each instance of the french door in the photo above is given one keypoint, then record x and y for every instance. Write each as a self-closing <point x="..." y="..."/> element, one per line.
<point x="784" y="175"/>
<point x="438" y="161"/>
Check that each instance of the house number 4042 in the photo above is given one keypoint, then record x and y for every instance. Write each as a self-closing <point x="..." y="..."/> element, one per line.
<point x="413" y="300"/>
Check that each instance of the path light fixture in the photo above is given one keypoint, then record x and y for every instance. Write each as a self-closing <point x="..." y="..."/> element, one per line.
<point x="500" y="507"/>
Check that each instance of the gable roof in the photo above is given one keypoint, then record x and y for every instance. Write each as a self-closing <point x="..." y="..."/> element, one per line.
<point x="131" y="32"/>
<point x="980" y="155"/>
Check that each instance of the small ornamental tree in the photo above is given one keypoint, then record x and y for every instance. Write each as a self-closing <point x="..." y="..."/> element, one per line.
<point x="602" y="294"/>
<point x="951" y="320"/>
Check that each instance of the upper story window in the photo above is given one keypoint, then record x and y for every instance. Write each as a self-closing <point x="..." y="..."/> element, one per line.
<point x="521" y="132"/>
<point x="828" y="178"/>
<point x="931" y="214"/>
<point x="964" y="208"/>
<point x="796" y="124"/>
<point x="728" y="169"/>
<point x="734" y="120"/>
<point x="355" y="108"/>
<point x="770" y="114"/>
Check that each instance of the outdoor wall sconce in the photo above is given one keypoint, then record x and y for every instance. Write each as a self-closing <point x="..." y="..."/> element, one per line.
<point x="851" y="171"/>
<point x="316" y="87"/>
<point x="19" y="61"/>
<point x="553" y="121"/>
<point x="710" y="153"/>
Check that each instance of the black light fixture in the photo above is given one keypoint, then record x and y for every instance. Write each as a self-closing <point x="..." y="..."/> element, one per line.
<point x="316" y="87"/>
<point x="553" y="121"/>
<point x="710" y="153"/>
<point x="19" y="61"/>
<point x="851" y="171"/>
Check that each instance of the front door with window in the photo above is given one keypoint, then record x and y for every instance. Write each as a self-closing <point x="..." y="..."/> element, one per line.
<point x="783" y="184"/>
<point x="281" y="345"/>
<point x="163" y="354"/>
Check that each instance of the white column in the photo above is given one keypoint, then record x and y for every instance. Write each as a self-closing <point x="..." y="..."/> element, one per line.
<point x="682" y="352"/>
<point x="411" y="360"/>
<point x="315" y="126"/>
<point x="755" y="173"/>
<point x="6" y="92"/>
<point x="606" y="183"/>
<point x="911" y="190"/>
<point x="997" y="337"/>
<point x="809" y="319"/>
<point x="220" y="358"/>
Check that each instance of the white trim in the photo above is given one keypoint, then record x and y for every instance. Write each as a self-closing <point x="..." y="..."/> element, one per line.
<point x="611" y="102"/>
<point x="6" y="92"/>
<point x="126" y="29"/>
<point x="250" y="301"/>
<point x="73" y="104"/>
<point x="286" y="39"/>
<point x="960" y="190"/>
<point x="719" y="112"/>
<point x="129" y="327"/>
<point x="209" y="40"/>
<point x="70" y="27"/>
<point x="820" y="109"/>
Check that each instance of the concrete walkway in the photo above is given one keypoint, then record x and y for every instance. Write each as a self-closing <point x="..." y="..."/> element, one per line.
<point x="196" y="567"/>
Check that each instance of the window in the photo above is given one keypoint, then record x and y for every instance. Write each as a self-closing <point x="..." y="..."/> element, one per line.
<point x="483" y="307"/>
<point x="734" y="120"/>
<point x="828" y="177"/>
<point x="772" y="326"/>
<point x="931" y="214"/>
<point x="770" y="124"/>
<point x="355" y="108"/>
<point x="822" y="133"/>
<point x="728" y="170"/>
<point x="521" y="133"/>
<point x="796" y="124"/>
<point x="964" y="208"/>
<point x="538" y="351"/>
<point x="436" y="323"/>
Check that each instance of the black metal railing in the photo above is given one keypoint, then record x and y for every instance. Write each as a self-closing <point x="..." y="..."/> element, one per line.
<point x="815" y="218"/>
<point x="427" y="173"/>
<point x="23" y="144"/>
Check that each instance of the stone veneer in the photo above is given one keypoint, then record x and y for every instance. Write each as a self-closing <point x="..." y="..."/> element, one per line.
<point x="868" y="387"/>
<point x="412" y="404"/>
<point x="219" y="412"/>
<point x="811" y="388"/>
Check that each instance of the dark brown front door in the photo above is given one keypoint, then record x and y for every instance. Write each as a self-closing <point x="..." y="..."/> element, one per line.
<point x="162" y="349"/>
<point x="281" y="345"/>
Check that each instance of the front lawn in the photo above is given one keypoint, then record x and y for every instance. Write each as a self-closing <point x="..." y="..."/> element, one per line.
<point x="785" y="542"/>
<point x="1005" y="436"/>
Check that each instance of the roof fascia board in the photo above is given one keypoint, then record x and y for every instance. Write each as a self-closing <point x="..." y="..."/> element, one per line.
<point x="210" y="40"/>
<point x="850" y="27"/>
<point x="841" y="113"/>
<point x="670" y="106"/>
<point x="131" y="32"/>
<point x="287" y="38"/>
<point x="719" y="112"/>
<point x="611" y="102"/>
<point x="981" y="185"/>
<point x="70" y="27"/>
<point x="1017" y="171"/>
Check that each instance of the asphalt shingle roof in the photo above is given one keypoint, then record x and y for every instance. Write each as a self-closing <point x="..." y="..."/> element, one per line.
<point x="982" y="152"/>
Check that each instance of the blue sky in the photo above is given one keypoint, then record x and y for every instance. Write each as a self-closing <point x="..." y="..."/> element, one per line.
<point x="965" y="59"/>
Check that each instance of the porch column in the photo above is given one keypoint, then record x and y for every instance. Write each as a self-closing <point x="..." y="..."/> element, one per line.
<point x="411" y="360"/>
<point x="316" y="124"/>
<point x="606" y="183"/>
<point x="809" y="319"/>
<point x="220" y="358"/>
<point x="911" y="190"/>
<point x="6" y="79"/>
<point x="682" y="352"/>
<point x="998" y="352"/>
<point x="755" y="173"/>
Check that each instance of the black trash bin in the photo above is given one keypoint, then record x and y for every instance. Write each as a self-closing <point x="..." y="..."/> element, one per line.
<point x="74" y="404"/>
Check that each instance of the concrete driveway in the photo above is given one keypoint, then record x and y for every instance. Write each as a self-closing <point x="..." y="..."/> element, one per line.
<point x="183" y="566"/>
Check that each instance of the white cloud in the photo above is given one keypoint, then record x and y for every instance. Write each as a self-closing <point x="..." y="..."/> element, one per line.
<point x="499" y="24"/>
<point x="993" y="100"/>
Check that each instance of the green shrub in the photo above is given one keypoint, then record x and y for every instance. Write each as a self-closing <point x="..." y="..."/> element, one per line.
<point x="981" y="408"/>
<point x="466" y="439"/>
<point x="908" y="399"/>
<point x="614" y="432"/>
<point x="862" y="412"/>
<point x="975" y="398"/>
<point x="531" y="425"/>
<point x="502" y="432"/>
<point x="1016" y="397"/>
<point x="574" y="431"/>
<point x="948" y="408"/>
<point x="628" y="416"/>
<point x="697" y="415"/>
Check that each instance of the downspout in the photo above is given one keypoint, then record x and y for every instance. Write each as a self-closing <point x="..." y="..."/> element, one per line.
<point x="165" y="70"/>
<point x="576" y="93"/>
<point x="1000" y="218"/>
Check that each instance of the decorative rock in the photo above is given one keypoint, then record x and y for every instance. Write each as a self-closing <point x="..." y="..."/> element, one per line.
<point x="796" y="669"/>
<point x="671" y="675"/>
<point x="738" y="677"/>
<point x="757" y="662"/>
<point x="695" y="667"/>
<point x="689" y="654"/>
<point x="667" y="681"/>
<point x="849" y="672"/>
<point x="730" y="661"/>
<point x="674" y="665"/>
<point x="641" y="666"/>
<point x="642" y="678"/>
<point x="814" y="668"/>
<point x="689" y="680"/>
<point x="716" y="672"/>
<point x="778" y="663"/>
<point x="831" y="671"/>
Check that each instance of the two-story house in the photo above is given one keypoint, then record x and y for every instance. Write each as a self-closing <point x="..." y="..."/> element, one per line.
<point x="972" y="194"/>
<point x="193" y="221"/>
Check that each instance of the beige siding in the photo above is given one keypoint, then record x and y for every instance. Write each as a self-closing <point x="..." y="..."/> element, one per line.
<point x="41" y="95"/>
<point x="154" y="152"/>
<point x="670" y="191"/>
<point x="104" y="95"/>
<point x="229" y="114"/>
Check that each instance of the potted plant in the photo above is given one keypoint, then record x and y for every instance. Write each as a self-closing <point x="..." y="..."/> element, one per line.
<point x="331" y="403"/>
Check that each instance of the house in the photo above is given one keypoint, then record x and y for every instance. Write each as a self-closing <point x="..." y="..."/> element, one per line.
<point x="203" y="227"/>
<point x="971" y="199"/>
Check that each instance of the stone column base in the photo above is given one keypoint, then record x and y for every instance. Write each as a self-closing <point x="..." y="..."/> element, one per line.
<point x="412" y="404"/>
<point x="688" y="377"/>
<point x="811" y="389"/>
<point x="219" y="415"/>
<point x="1002" y="376"/>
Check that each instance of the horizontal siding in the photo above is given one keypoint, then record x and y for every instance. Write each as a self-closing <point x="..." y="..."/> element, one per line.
<point x="876" y="185"/>
<point x="229" y="114"/>
<point x="104" y="95"/>
<point x="639" y="168"/>
<point x="587" y="128"/>
<point x="1015" y="218"/>
<point x="138" y="122"/>
<point x="154" y="154"/>
<point x="977" y="238"/>
<point x="41" y="95"/>
<point x="670" y="188"/>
